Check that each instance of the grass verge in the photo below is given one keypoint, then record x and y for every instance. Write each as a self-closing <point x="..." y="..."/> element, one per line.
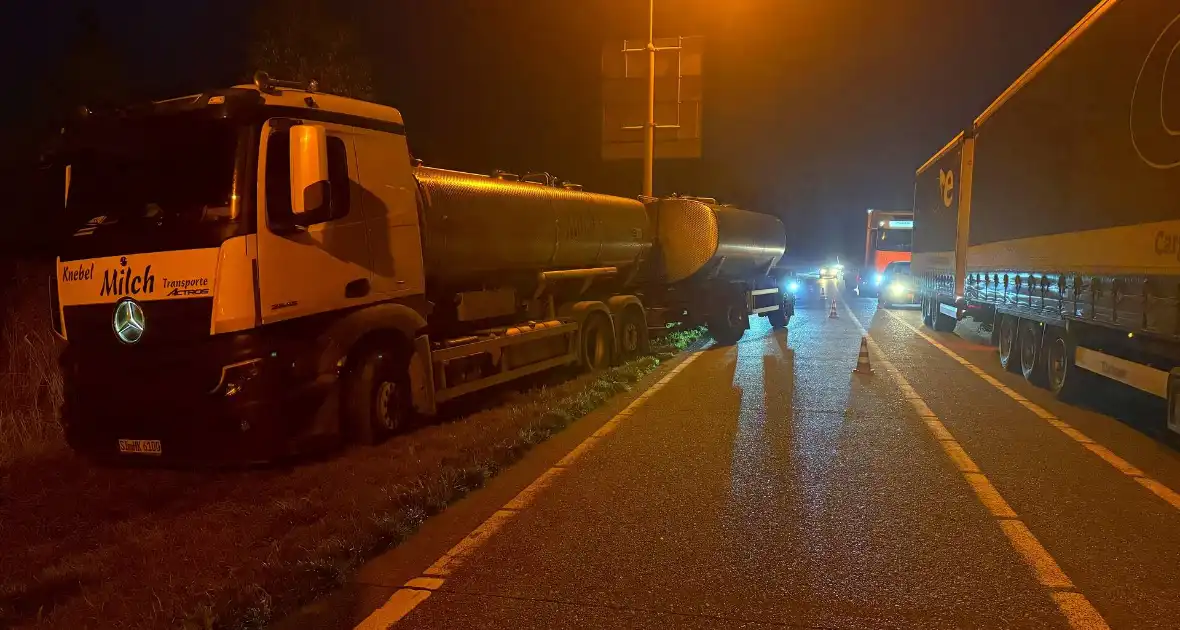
<point x="89" y="547"/>
<point x="30" y="383"/>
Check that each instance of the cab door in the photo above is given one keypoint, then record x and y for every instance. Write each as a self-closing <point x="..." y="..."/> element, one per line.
<point x="391" y="211"/>
<point x="320" y="267"/>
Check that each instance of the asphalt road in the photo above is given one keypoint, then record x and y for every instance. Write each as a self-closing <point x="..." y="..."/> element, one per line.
<point x="765" y="485"/>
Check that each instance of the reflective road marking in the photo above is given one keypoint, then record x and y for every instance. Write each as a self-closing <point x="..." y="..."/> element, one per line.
<point x="1074" y="606"/>
<point x="1119" y="464"/>
<point x="417" y="590"/>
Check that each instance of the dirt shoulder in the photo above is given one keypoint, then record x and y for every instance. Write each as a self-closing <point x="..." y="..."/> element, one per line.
<point x="87" y="547"/>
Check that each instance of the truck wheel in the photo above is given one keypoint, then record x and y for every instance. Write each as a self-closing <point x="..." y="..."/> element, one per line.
<point x="779" y="319"/>
<point x="942" y="322"/>
<point x="1065" y="379"/>
<point x="597" y="343"/>
<point x="927" y="315"/>
<point x="633" y="340"/>
<point x="1031" y="354"/>
<point x="726" y="329"/>
<point x="376" y="395"/>
<point x="1009" y="326"/>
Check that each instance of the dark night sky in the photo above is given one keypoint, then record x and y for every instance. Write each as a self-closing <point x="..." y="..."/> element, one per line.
<point x="814" y="109"/>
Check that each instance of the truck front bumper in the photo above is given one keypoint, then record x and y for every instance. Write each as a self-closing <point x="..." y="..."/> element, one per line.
<point x="247" y="411"/>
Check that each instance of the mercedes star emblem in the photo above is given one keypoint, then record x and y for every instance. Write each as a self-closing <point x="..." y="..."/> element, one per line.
<point x="128" y="321"/>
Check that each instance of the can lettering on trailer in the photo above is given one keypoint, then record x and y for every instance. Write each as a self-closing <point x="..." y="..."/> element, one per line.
<point x="1167" y="244"/>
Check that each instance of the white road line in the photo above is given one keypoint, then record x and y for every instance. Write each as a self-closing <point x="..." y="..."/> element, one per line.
<point x="1077" y="610"/>
<point x="1108" y="456"/>
<point x="417" y="590"/>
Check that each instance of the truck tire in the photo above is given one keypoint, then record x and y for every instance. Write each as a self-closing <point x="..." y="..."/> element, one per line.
<point x="728" y="327"/>
<point x="1009" y="338"/>
<point x="779" y="319"/>
<point x="632" y="333"/>
<point x="927" y="315"/>
<point x="597" y="343"/>
<point x="942" y="322"/>
<point x="1032" y="357"/>
<point x="376" y="395"/>
<point x="1064" y="378"/>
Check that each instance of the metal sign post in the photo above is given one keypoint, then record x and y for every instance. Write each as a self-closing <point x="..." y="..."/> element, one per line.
<point x="670" y="93"/>
<point x="649" y="126"/>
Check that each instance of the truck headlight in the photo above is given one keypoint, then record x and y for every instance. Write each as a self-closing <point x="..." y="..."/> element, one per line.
<point x="897" y="288"/>
<point x="823" y="271"/>
<point x="877" y="279"/>
<point x="793" y="286"/>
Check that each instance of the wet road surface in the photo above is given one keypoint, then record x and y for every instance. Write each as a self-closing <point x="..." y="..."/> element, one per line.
<point x="765" y="485"/>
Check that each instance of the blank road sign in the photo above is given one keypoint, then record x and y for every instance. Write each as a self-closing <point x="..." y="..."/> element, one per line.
<point x="677" y="102"/>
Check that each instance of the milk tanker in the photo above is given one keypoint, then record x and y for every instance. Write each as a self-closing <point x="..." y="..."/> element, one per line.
<point x="257" y="270"/>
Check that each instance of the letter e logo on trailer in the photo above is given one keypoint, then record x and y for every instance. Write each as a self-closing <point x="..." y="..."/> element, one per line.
<point x="946" y="183"/>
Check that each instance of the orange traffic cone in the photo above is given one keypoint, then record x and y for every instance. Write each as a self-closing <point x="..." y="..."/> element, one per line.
<point x="862" y="360"/>
<point x="832" y="314"/>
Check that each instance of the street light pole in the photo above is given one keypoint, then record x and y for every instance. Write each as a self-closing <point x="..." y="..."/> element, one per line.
<point x="649" y="128"/>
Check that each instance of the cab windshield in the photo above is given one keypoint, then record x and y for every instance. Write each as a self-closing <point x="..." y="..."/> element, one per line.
<point x="152" y="184"/>
<point x="893" y="240"/>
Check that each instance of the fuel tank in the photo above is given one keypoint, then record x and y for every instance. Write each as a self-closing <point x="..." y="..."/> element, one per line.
<point x="479" y="228"/>
<point x="698" y="238"/>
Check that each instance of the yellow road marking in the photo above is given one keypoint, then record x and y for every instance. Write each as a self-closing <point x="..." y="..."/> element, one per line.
<point x="1162" y="491"/>
<point x="988" y="495"/>
<point x="397" y="606"/>
<point x="525" y="497"/>
<point x="938" y="429"/>
<point x="414" y="592"/>
<point x="1043" y="564"/>
<point x="1118" y="463"/>
<point x="958" y="456"/>
<point x="454" y="557"/>
<point x="1074" y="606"/>
<point x="1079" y="611"/>
<point x="578" y="451"/>
<point x="426" y="583"/>
<point x="920" y="407"/>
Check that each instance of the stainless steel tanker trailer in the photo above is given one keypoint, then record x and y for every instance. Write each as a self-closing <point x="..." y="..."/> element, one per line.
<point x="272" y="270"/>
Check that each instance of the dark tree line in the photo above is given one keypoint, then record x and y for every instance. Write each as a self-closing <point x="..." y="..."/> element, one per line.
<point x="290" y="39"/>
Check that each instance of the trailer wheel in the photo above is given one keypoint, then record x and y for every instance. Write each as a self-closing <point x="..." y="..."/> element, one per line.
<point x="927" y="316"/>
<point x="1008" y="339"/>
<point x="597" y="343"/>
<point x="1065" y="379"/>
<point x="1032" y="356"/>
<point x="728" y="327"/>
<point x="779" y="319"/>
<point x="633" y="339"/>
<point x="942" y="322"/>
<point x="376" y="395"/>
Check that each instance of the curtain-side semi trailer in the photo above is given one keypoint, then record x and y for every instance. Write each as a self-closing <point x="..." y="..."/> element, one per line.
<point x="1055" y="219"/>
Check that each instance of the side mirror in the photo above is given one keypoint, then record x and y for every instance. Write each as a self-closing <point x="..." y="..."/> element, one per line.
<point x="311" y="193"/>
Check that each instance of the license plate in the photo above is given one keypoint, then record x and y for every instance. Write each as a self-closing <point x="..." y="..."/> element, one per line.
<point x="140" y="447"/>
